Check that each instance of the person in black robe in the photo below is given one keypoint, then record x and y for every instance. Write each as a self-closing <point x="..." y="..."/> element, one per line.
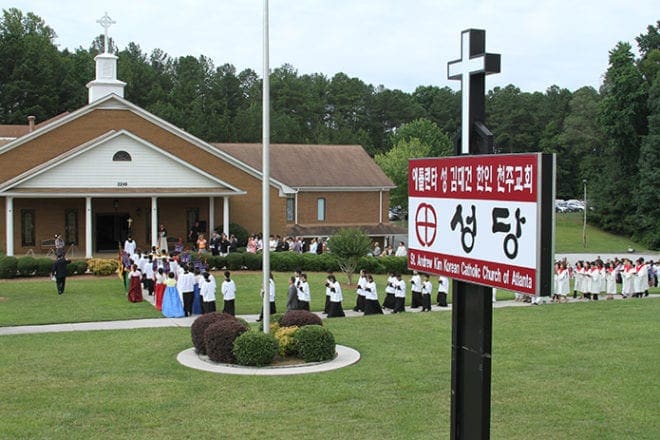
<point x="59" y="273"/>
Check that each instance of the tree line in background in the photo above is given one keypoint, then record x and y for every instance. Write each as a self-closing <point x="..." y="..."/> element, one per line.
<point x="608" y="137"/>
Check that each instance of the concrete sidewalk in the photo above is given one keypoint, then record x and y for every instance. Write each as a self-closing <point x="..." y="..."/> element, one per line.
<point x="187" y="322"/>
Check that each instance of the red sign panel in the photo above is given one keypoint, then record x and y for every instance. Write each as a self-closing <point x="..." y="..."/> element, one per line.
<point x="477" y="219"/>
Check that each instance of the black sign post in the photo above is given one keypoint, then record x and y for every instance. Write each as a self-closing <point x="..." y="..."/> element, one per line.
<point x="472" y="304"/>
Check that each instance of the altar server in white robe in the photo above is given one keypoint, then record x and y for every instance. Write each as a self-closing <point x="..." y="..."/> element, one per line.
<point x="641" y="279"/>
<point x="427" y="288"/>
<point x="371" y="304"/>
<point x="336" y="309"/>
<point x="399" y="295"/>
<point x="563" y="283"/>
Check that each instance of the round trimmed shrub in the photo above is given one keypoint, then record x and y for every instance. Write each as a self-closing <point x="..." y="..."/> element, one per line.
<point x="300" y="318"/>
<point x="315" y="343"/>
<point x="242" y="321"/>
<point x="27" y="266"/>
<point x="276" y="318"/>
<point x="44" y="266"/>
<point x="285" y="340"/>
<point x="219" y="339"/>
<point x="8" y="267"/>
<point x="255" y="349"/>
<point x="200" y="325"/>
<point x="103" y="266"/>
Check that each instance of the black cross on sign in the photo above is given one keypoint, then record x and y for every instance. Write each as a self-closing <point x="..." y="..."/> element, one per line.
<point x="474" y="64"/>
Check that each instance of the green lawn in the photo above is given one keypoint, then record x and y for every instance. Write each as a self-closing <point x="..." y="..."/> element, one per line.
<point x="569" y="371"/>
<point x="88" y="298"/>
<point x="568" y="237"/>
<point x="572" y="371"/>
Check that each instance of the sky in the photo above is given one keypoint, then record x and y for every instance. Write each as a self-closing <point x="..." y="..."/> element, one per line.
<point x="400" y="44"/>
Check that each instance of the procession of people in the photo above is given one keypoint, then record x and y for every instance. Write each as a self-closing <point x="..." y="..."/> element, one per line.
<point x="180" y="290"/>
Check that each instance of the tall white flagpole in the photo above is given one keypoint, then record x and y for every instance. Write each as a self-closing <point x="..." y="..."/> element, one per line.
<point x="265" y="184"/>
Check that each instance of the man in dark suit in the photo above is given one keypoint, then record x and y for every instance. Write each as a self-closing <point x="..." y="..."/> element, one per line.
<point x="59" y="273"/>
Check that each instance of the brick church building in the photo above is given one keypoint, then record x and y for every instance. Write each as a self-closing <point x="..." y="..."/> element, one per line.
<point x="111" y="168"/>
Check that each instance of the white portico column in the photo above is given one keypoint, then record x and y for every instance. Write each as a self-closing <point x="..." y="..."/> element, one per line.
<point x="211" y="215"/>
<point x="154" y="221"/>
<point x="225" y="215"/>
<point x="88" y="227"/>
<point x="9" y="225"/>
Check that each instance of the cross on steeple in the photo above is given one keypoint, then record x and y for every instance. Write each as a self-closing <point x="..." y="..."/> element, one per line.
<point x="474" y="65"/>
<point x="105" y="23"/>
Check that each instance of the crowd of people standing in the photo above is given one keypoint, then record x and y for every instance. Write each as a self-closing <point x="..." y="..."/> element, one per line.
<point x="593" y="279"/>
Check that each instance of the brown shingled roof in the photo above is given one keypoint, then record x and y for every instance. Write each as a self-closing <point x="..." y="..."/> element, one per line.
<point x="330" y="230"/>
<point x="13" y="131"/>
<point x="18" y="130"/>
<point x="314" y="165"/>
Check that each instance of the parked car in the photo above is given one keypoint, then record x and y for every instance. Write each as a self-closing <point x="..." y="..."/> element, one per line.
<point x="575" y="205"/>
<point x="397" y="213"/>
<point x="560" y="206"/>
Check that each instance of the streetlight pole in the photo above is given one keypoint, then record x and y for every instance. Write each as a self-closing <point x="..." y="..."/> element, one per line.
<point x="584" y="223"/>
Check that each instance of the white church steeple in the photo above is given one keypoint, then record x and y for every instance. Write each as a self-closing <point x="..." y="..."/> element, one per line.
<point x="106" y="81"/>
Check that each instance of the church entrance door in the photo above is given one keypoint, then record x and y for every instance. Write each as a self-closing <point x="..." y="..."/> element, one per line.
<point x="111" y="231"/>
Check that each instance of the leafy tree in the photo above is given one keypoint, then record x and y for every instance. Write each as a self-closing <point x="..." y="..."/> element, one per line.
<point x="347" y="111"/>
<point x="134" y="69"/>
<point x="647" y="201"/>
<point x="580" y="144"/>
<point x="394" y="163"/>
<point x="442" y="106"/>
<point x="349" y="245"/>
<point x="31" y="70"/>
<point x="624" y="119"/>
<point x="511" y="119"/>
<point x="428" y="133"/>
<point x="389" y="110"/>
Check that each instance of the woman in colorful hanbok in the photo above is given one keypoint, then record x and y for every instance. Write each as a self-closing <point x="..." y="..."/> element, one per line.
<point x="159" y="289"/>
<point x="135" y="286"/>
<point x="197" y="299"/>
<point x="172" y="305"/>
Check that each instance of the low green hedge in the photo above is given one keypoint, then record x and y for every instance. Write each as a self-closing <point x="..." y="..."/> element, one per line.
<point x="27" y="266"/>
<point x="8" y="267"/>
<point x="45" y="266"/>
<point x="235" y="261"/>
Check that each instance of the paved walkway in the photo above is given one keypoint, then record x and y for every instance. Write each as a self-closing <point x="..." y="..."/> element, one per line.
<point x="187" y="322"/>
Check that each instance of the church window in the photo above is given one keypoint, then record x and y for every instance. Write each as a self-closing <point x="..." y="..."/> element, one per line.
<point x="121" y="156"/>
<point x="320" y="209"/>
<point x="27" y="227"/>
<point x="71" y="226"/>
<point x="290" y="209"/>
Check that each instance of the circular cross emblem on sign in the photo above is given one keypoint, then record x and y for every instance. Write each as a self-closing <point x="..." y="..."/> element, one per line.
<point x="426" y="224"/>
